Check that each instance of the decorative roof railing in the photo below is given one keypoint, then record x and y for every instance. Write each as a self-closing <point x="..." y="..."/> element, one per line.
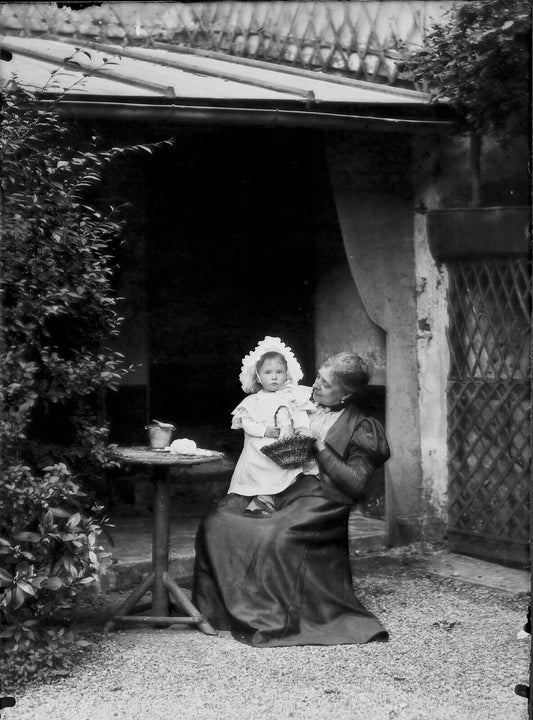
<point x="360" y="39"/>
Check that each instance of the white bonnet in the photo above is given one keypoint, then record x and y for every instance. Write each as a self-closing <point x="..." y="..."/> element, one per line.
<point x="248" y="376"/>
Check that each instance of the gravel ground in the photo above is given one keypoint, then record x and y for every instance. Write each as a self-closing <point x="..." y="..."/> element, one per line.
<point x="453" y="655"/>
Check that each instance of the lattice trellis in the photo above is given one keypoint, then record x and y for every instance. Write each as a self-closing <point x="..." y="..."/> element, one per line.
<point x="363" y="39"/>
<point x="489" y="407"/>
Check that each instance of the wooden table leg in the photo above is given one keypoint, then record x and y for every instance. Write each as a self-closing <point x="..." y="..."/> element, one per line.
<point x="160" y="542"/>
<point x="182" y="599"/>
<point x="128" y="605"/>
<point x="162" y="586"/>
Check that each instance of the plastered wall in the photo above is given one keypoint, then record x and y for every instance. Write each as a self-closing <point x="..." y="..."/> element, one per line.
<point x="341" y="320"/>
<point x="373" y="195"/>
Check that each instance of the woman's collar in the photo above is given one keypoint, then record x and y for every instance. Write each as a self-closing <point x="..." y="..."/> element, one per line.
<point x="332" y="408"/>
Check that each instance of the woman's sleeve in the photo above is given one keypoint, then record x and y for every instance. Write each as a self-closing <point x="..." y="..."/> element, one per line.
<point x="367" y="451"/>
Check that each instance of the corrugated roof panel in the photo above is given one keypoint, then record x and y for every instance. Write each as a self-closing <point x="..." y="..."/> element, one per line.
<point x="38" y="75"/>
<point x="183" y="85"/>
<point x="194" y="85"/>
<point x="324" y="87"/>
<point x="116" y="75"/>
<point x="33" y="74"/>
<point x="152" y="72"/>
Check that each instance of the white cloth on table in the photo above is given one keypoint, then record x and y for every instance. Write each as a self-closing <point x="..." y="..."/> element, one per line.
<point x="255" y="473"/>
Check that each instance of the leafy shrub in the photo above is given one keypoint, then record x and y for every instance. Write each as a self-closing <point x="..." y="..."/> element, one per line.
<point x="49" y="553"/>
<point x="59" y="308"/>
<point x="46" y="542"/>
<point x="49" y="655"/>
<point x="56" y="364"/>
<point x="479" y="60"/>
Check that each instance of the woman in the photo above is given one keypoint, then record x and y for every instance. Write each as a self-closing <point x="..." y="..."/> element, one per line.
<point x="285" y="579"/>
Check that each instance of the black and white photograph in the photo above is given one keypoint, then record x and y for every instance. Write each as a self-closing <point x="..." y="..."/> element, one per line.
<point x="265" y="360"/>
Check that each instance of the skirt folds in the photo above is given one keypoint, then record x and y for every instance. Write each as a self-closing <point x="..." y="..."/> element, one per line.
<point x="283" y="580"/>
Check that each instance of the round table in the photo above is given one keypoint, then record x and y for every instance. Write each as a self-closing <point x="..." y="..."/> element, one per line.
<point x="164" y="590"/>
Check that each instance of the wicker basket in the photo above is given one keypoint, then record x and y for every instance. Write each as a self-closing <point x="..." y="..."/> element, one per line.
<point x="292" y="450"/>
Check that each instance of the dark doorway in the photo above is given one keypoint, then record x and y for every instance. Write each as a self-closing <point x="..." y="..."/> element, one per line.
<point x="233" y="217"/>
<point x="230" y="235"/>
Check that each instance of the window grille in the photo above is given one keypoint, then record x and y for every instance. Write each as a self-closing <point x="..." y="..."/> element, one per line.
<point x="489" y="408"/>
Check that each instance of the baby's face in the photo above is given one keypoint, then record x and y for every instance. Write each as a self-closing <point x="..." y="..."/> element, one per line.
<point x="272" y="375"/>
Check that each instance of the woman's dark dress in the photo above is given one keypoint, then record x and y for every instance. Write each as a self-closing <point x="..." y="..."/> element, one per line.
<point x="286" y="579"/>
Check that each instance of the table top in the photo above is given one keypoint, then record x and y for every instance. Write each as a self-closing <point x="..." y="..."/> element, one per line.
<point x="148" y="456"/>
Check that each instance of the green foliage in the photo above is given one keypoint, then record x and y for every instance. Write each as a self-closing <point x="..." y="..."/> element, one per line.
<point x="59" y="317"/>
<point x="48" y="556"/>
<point x="52" y="654"/>
<point x="46" y="541"/>
<point x="59" y="310"/>
<point x="479" y="60"/>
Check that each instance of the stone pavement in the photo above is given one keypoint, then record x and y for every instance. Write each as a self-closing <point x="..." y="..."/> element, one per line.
<point x="478" y="572"/>
<point x="129" y="542"/>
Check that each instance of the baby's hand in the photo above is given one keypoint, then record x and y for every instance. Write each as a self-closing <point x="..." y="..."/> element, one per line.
<point x="272" y="432"/>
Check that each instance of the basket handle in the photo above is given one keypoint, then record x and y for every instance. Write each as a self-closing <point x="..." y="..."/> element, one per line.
<point x="283" y="407"/>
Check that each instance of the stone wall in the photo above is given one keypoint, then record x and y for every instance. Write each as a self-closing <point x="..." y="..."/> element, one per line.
<point x="441" y="181"/>
<point x="383" y="188"/>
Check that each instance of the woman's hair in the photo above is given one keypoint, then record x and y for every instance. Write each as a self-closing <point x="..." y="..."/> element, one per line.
<point x="350" y="371"/>
<point x="272" y="355"/>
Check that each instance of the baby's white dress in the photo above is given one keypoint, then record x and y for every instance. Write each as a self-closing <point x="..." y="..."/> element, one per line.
<point x="255" y="473"/>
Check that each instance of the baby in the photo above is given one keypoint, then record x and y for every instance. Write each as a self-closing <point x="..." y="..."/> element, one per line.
<point x="270" y="375"/>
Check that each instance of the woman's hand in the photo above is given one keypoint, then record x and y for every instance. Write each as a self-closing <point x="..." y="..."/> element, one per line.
<point x="319" y="445"/>
<point x="305" y="432"/>
<point x="272" y="432"/>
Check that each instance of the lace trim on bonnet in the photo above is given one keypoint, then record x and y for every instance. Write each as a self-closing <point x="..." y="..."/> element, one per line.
<point x="248" y="377"/>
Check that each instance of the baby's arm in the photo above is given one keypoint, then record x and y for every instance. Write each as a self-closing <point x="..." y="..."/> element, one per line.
<point x="257" y="429"/>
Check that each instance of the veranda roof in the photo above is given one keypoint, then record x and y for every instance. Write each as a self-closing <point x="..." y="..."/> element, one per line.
<point x="172" y="83"/>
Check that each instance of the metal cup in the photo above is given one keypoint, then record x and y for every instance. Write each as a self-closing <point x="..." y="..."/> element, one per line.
<point x="160" y="436"/>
